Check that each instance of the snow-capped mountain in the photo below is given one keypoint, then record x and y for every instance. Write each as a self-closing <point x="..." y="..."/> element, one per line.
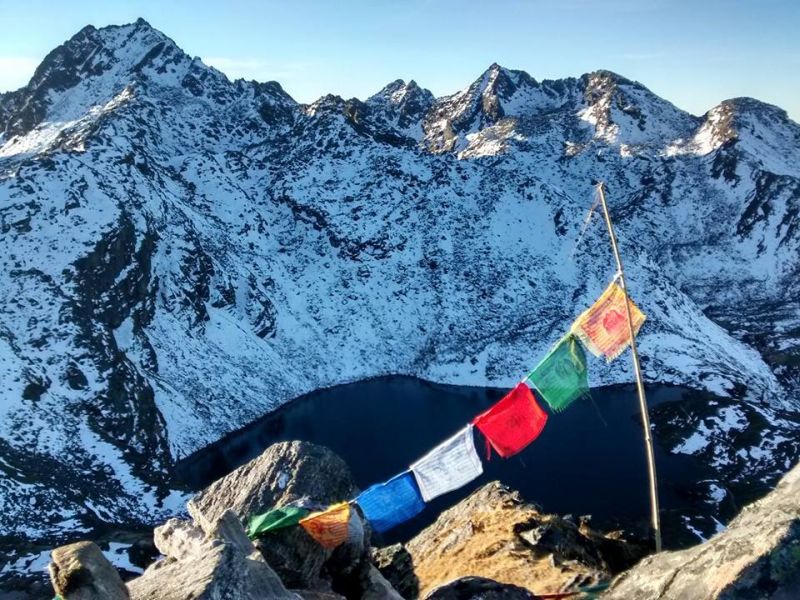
<point x="182" y="253"/>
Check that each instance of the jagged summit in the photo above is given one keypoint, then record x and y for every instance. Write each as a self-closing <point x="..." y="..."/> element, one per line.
<point x="400" y="92"/>
<point x="111" y="70"/>
<point x="747" y="103"/>
<point x="95" y="65"/>
<point x="127" y="49"/>
<point x="608" y="77"/>
<point x="744" y="129"/>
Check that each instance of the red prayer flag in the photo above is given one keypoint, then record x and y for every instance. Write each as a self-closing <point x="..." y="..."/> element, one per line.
<point x="513" y="423"/>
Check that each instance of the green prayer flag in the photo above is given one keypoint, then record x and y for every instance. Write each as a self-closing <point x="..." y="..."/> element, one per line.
<point x="561" y="377"/>
<point x="277" y="518"/>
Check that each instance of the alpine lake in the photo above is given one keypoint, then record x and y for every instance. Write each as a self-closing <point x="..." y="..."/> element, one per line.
<point x="589" y="460"/>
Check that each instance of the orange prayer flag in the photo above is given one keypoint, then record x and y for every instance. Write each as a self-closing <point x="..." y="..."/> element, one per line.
<point x="603" y="328"/>
<point x="328" y="527"/>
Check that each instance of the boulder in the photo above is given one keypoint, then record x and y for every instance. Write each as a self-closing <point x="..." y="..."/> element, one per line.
<point x="494" y="534"/>
<point x="220" y="572"/>
<point x="182" y="540"/>
<point x="229" y="528"/>
<point x="757" y="556"/>
<point x="479" y="588"/>
<point x="297" y="472"/>
<point x="80" y="572"/>
<point x="374" y="586"/>
<point x="396" y="565"/>
<point x="221" y="564"/>
<point x="285" y="472"/>
<point x="178" y="539"/>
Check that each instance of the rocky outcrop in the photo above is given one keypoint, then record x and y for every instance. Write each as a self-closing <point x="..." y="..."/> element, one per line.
<point x="222" y="564"/>
<point x="493" y="533"/>
<point x="177" y="538"/>
<point x="220" y="572"/>
<point x="757" y="556"/>
<point x="396" y="565"/>
<point x="80" y="572"/>
<point x="490" y="546"/>
<point x="284" y="473"/>
<point x="287" y="472"/>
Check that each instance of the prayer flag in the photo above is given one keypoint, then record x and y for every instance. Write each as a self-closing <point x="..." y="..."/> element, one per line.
<point x="277" y="518"/>
<point x="329" y="527"/>
<point x="603" y="328"/>
<point x="391" y="503"/>
<point x="512" y="423"/>
<point x="561" y="376"/>
<point x="450" y="465"/>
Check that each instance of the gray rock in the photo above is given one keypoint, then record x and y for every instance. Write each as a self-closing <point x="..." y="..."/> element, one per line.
<point x="229" y="528"/>
<point x="179" y="539"/>
<point x="374" y="586"/>
<point x="479" y="588"/>
<point x="494" y="533"/>
<point x="396" y="565"/>
<point x="285" y="472"/>
<point x="297" y="558"/>
<point x="80" y="572"/>
<point x="222" y="565"/>
<point x="757" y="556"/>
<point x="220" y="573"/>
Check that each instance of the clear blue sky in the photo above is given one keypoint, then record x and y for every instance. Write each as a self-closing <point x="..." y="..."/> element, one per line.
<point x="692" y="52"/>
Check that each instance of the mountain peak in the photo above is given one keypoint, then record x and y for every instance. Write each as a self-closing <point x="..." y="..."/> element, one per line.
<point x="730" y="114"/>
<point x="400" y="92"/>
<point x="104" y="62"/>
<point x="608" y="75"/>
<point x="92" y="52"/>
<point x="746" y="104"/>
<point x="496" y="76"/>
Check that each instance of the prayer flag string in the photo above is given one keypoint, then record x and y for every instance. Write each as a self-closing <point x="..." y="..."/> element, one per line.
<point x="508" y="426"/>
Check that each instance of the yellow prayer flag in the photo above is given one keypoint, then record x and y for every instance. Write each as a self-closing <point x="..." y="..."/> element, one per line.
<point x="603" y="328"/>
<point x="328" y="527"/>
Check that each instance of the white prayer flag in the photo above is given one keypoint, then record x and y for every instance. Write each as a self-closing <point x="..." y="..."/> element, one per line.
<point x="450" y="465"/>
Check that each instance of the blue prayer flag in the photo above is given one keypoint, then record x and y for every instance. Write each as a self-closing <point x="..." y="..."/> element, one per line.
<point x="388" y="504"/>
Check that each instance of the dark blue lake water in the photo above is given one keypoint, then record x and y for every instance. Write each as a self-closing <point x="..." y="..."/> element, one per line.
<point x="589" y="459"/>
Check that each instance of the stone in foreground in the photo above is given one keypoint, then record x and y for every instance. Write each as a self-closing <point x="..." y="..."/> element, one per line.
<point x="301" y="472"/>
<point x="494" y="534"/>
<point x="285" y="472"/>
<point x="80" y="572"/>
<point x="396" y="565"/>
<point x="757" y="556"/>
<point x="224" y="564"/>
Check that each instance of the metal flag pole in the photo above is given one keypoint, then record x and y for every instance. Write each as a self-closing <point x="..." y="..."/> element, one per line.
<point x="648" y="438"/>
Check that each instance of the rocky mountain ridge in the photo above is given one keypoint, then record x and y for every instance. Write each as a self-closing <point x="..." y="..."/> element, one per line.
<point x="210" y="555"/>
<point x="490" y="546"/>
<point x="182" y="253"/>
